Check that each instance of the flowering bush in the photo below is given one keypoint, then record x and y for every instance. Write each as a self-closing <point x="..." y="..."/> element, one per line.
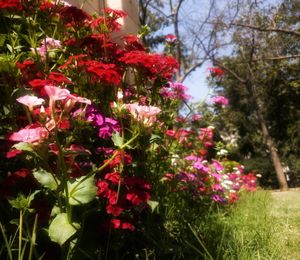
<point x="92" y="139"/>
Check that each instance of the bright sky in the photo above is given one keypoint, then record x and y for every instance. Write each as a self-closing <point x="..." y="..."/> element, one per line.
<point x="197" y="84"/>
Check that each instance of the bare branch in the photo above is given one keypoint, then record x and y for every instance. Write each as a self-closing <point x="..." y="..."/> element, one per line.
<point x="190" y="70"/>
<point x="267" y="29"/>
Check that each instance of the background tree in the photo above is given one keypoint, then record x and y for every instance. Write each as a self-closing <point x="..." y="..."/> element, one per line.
<point x="262" y="82"/>
<point x="191" y="38"/>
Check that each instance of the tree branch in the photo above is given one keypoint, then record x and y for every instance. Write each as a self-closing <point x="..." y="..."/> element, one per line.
<point x="268" y="29"/>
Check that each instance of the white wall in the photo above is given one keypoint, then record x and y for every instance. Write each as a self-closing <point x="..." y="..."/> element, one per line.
<point x="130" y="24"/>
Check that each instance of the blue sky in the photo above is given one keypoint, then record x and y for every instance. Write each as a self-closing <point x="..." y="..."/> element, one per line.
<point x="197" y="84"/>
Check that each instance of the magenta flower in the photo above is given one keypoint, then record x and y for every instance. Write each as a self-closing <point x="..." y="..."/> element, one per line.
<point x="30" y="134"/>
<point x="30" y="101"/>
<point x="105" y="125"/>
<point x="220" y="100"/>
<point x="175" y="91"/>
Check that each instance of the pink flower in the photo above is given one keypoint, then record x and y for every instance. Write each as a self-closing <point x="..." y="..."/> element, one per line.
<point x="196" y="117"/>
<point x="170" y="38"/>
<point x="30" y="134"/>
<point x="30" y="101"/>
<point x="220" y="100"/>
<point x="56" y="93"/>
<point x="48" y="44"/>
<point x="143" y="114"/>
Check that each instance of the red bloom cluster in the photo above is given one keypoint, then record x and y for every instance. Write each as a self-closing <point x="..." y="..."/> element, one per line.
<point x="154" y="65"/>
<point x="11" y="5"/>
<point x="216" y="72"/>
<point x="72" y="16"/>
<point x="97" y="71"/>
<point x="111" y="17"/>
<point x="134" y="192"/>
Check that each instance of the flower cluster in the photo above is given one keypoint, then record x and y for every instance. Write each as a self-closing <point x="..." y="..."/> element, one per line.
<point x="95" y="129"/>
<point x="175" y="91"/>
<point x="220" y="100"/>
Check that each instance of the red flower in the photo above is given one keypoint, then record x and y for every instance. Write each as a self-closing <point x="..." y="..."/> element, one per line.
<point x="114" y="210"/>
<point x="73" y="16"/>
<point x="58" y="78"/>
<point x="103" y="188"/>
<point x="216" y="72"/>
<point x="155" y="65"/>
<point x="12" y="153"/>
<point x="46" y="6"/>
<point x="19" y="181"/>
<point x="38" y="84"/>
<point x="111" y="17"/>
<point x="113" y="177"/>
<point x="122" y="156"/>
<point x="132" y="43"/>
<point x="119" y="224"/>
<point x="29" y="70"/>
<point x="138" y="190"/>
<point x="11" y="5"/>
<point x="105" y="72"/>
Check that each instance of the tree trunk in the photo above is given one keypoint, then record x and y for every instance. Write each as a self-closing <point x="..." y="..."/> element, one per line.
<point x="273" y="153"/>
<point x="283" y="185"/>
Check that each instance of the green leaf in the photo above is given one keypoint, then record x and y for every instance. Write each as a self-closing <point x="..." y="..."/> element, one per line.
<point x="82" y="190"/>
<point x="22" y="146"/>
<point x="154" y="138"/>
<point x="61" y="230"/>
<point x="2" y="39"/>
<point x="117" y="139"/>
<point x="23" y="202"/>
<point x="45" y="178"/>
<point x="153" y="204"/>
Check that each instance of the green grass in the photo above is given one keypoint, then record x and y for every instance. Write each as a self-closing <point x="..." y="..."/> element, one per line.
<point x="248" y="231"/>
<point x="286" y="213"/>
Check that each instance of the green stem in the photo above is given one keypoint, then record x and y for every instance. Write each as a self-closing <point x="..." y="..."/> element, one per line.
<point x="63" y="168"/>
<point x="106" y="163"/>
<point x="6" y="242"/>
<point x="33" y="238"/>
<point x="20" y="235"/>
<point x="28" y="115"/>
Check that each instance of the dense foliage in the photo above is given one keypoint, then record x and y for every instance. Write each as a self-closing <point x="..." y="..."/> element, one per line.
<point x="95" y="159"/>
<point x="265" y="55"/>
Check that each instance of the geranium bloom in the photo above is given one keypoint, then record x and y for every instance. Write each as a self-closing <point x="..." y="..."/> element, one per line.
<point x="144" y="114"/>
<point x="73" y="16"/>
<point x="154" y="65"/>
<point x="220" y="100"/>
<point x="118" y="224"/>
<point x="216" y="72"/>
<point x="11" y="4"/>
<point x="31" y="134"/>
<point x="30" y="101"/>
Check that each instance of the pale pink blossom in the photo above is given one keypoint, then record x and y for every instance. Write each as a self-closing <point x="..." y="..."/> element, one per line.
<point x="144" y="114"/>
<point x="30" y="101"/>
<point x="56" y="93"/>
<point x="30" y="134"/>
<point x="220" y="100"/>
